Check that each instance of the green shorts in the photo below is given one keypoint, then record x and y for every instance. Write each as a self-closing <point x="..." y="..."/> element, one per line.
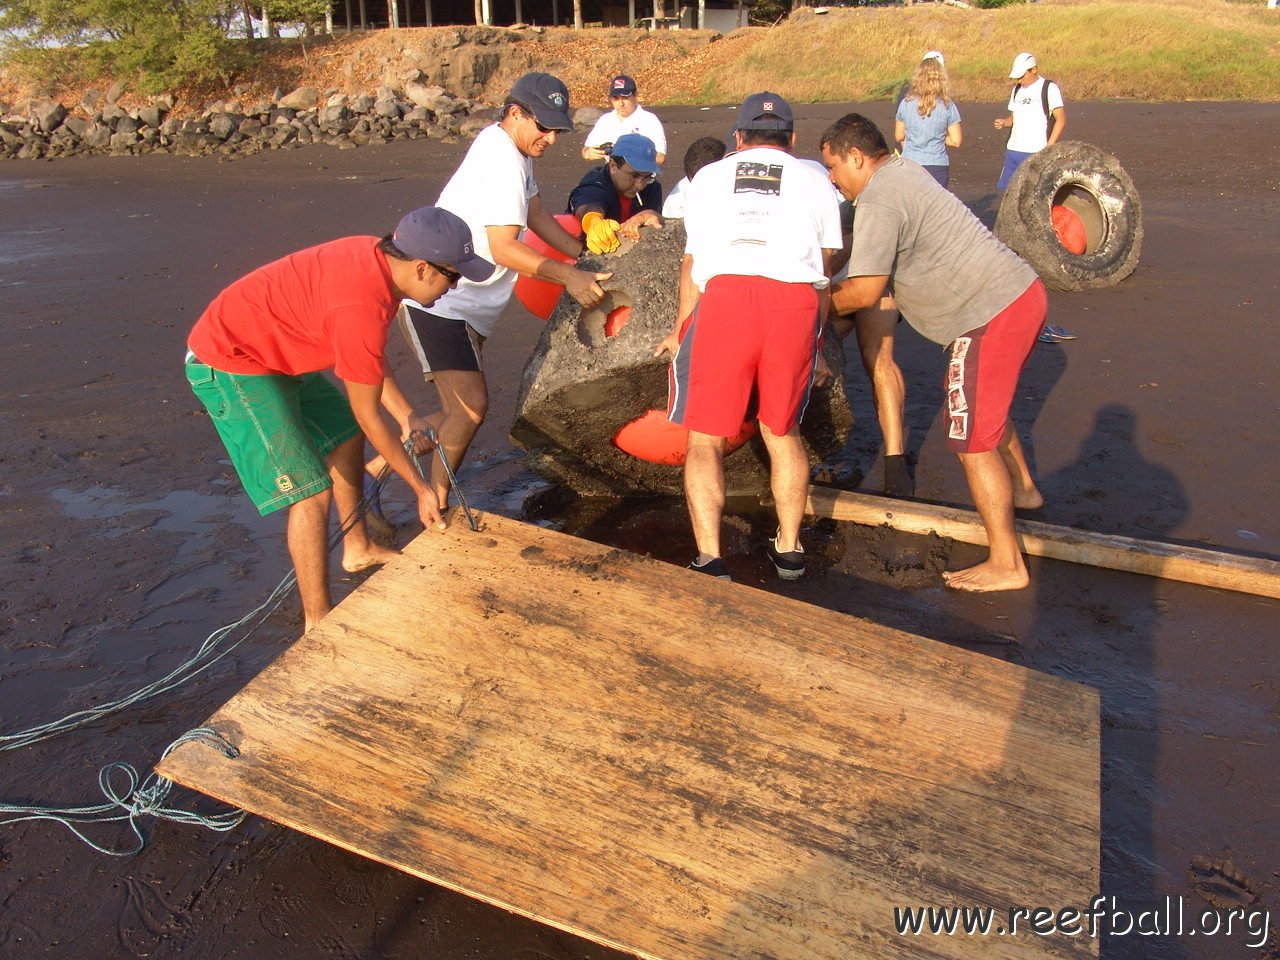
<point x="278" y="430"/>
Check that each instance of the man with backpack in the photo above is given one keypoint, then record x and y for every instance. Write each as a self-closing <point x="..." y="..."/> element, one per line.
<point x="1036" y="115"/>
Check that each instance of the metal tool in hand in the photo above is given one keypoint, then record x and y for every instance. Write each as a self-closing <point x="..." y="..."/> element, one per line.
<point x="448" y="470"/>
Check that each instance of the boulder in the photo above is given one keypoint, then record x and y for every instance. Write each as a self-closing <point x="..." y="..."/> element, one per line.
<point x="97" y="136"/>
<point x="222" y="125"/>
<point x="151" y="115"/>
<point x="586" y="116"/>
<point x="304" y="98"/>
<point x="332" y="114"/>
<point x="593" y="373"/>
<point x="115" y="92"/>
<point x="122" y="141"/>
<point x="470" y="126"/>
<point x="46" y="113"/>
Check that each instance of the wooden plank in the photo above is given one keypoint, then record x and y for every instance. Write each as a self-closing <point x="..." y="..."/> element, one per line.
<point x="666" y="763"/>
<point x="1168" y="561"/>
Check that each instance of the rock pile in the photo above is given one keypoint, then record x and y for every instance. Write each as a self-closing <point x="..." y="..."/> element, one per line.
<point x="43" y="127"/>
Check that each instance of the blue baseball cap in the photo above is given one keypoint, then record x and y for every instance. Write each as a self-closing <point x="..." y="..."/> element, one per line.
<point x="765" y="111"/>
<point x="435" y="234"/>
<point x="546" y="97"/>
<point x="638" y="150"/>
<point x="622" y="86"/>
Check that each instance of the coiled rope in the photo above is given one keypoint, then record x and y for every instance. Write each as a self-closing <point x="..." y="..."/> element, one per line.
<point x="140" y="798"/>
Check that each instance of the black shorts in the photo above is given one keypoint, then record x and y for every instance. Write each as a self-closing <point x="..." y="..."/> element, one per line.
<point x="441" y="344"/>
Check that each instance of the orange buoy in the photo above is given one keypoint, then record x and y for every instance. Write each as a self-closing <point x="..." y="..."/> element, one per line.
<point x="541" y="296"/>
<point x="616" y="320"/>
<point x="655" y="439"/>
<point x="1070" y="229"/>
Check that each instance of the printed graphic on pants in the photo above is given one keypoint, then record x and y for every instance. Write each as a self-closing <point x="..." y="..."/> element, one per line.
<point x="957" y="402"/>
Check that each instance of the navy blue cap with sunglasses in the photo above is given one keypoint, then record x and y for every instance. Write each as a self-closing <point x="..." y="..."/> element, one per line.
<point x="545" y="97"/>
<point x="441" y="237"/>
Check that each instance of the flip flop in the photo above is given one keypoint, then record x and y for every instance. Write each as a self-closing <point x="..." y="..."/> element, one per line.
<point x="1047" y="337"/>
<point x="1062" y="333"/>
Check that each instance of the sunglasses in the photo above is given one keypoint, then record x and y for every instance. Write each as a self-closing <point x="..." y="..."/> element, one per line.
<point x="541" y="128"/>
<point x="453" y="276"/>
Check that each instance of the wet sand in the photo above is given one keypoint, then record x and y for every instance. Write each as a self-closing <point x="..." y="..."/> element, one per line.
<point x="127" y="540"/>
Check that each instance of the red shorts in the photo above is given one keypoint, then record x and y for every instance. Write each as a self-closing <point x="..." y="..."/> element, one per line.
<point x="983" y="370"/>
<point x="745" y="333"/>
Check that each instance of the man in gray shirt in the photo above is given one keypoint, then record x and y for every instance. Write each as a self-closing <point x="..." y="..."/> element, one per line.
<point x="959" y="286"/>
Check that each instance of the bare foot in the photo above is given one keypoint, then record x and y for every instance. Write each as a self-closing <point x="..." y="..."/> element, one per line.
<point x="380" y="528"/>
<point x="987" y="578"/>
<point x="373" y="556"/>
<point x="1029" y="499"/>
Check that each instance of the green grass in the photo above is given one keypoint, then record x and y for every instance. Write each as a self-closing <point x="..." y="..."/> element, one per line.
<point x="1139" y="49"/>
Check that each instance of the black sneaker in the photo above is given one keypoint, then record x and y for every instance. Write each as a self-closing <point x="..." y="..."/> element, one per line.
<point x="789" y="564"/>
<point x="714" y="567"/>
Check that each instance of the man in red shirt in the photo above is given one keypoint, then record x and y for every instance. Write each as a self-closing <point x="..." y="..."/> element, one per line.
<point x="255" y="358"/>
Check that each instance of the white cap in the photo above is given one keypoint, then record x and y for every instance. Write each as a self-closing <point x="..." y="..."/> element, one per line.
<point x="1021" y="64"/>
<point x="934" y="55"/>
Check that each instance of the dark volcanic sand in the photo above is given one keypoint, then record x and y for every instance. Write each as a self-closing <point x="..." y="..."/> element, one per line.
<point x="127" y="540"/>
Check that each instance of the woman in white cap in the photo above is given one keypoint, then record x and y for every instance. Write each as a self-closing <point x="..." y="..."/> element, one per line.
<point x="928" y="120"/>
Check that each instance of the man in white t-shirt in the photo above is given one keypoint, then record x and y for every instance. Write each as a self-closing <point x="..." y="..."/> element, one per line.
<point x="494" y="192"/>
<point x="1036" y="116"/>
<point x="761" y="227"/>
<point x="627" y="116"/>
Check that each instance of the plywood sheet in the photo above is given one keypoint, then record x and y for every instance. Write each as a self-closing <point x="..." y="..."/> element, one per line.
<point x="680" y="767"/>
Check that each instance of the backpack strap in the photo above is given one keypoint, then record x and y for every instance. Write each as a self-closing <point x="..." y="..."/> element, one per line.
<point x="1044" y="103"/>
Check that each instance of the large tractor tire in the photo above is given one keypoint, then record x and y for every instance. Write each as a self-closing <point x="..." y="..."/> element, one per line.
<point x="1093" y="186"/>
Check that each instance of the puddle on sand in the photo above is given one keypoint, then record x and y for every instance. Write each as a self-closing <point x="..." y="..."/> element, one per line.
<point x="185" y="511"/>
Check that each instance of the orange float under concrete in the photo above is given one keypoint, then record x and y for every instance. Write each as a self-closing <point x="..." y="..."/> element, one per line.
<point x="541" y="296"/>
<point x="655" y="439"/>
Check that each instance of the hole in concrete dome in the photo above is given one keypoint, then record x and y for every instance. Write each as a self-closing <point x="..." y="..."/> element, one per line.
<point x="597" y="325"/>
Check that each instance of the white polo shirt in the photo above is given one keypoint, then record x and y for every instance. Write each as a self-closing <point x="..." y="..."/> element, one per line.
<point x="610" y="127"/>
<point x="762" y="213"/>
<point x="492" y="187"/>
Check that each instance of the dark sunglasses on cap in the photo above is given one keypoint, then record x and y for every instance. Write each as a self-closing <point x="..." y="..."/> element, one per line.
<point x="453" y="276"/>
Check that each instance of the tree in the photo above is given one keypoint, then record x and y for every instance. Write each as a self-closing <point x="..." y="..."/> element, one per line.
<point x="162" y="42"/>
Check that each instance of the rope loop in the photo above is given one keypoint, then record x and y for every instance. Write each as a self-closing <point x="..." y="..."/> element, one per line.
<point x="130" y="797"/>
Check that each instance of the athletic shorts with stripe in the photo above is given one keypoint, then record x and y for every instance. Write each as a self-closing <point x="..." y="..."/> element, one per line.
<point x="278" y="430"/>
<point x="745" y="333"/>
<point x="440" y="343"/>
<point x="983" y="369"/>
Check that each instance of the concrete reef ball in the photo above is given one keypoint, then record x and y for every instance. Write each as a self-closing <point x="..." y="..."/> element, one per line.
<point x="593" y="373"/>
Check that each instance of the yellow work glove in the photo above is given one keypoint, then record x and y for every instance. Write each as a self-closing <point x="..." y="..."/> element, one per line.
<point x="602" y="234"/>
